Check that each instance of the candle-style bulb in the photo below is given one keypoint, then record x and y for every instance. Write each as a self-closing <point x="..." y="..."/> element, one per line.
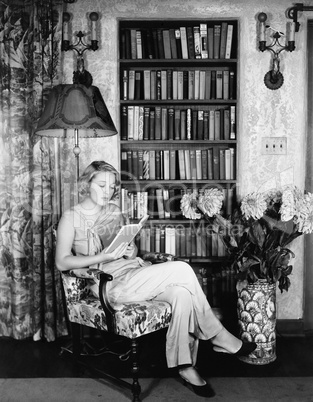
<point x="94" y="18"/>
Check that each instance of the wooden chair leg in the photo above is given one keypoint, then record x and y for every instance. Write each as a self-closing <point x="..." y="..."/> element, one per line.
<point x="136" y="388"/>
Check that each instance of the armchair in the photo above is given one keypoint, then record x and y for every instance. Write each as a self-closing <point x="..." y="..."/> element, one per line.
<point x="129" y="320"/>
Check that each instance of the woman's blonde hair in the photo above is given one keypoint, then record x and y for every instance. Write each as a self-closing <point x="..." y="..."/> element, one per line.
<point x="91" y="171"/>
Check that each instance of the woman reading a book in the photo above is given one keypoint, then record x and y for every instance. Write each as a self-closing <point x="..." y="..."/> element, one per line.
<point x="85" y="232"/>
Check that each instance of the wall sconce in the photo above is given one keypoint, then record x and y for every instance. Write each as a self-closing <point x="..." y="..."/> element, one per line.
<point x="274" y="79"/>
<point x="80" y="46"/>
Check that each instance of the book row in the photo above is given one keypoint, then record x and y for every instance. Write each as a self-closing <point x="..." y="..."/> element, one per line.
<point x="217" y="285"/>
<point x="214" y="163"/>
<point x="180" y="241"/>
<point x="169" y="84"/>
<point x="167" y="123"/>
<point x="203" y="41"/>
<point x="163" y="203"/>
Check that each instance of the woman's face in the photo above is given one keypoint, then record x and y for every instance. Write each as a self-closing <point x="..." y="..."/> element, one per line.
<point x="102" y="188"/>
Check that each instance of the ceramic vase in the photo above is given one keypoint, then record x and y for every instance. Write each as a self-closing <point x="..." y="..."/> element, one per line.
<point x="256" y="308"/>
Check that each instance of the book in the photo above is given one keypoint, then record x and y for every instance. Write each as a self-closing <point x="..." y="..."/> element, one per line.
<point x="172" y="164"/>
<point x="139" y="44"/>
<point x="191" y="84"/>
<point x="216" y="41"/>
<point x="200" y="125"/>
<point x="188" y="124"/>
<point x="204" y="40"/>
<point x="167" y="44"/>
<point x="138" y="85"/>
<point x="140" y="164"/>
<point x="163" y="85"/>
<point x="180" y="85"/>
<point x="152" y="164"/>
<point x="197" y="42"/>
<point x="131" y="84"/>
<point x="178" y="43"/>
<point x="193" y="164"/>
<point x="219" y="84"/>
<point x="211" y="42"/>
<point x="208" y="84"/>
<point x="190" y="42"/>
<point x="225" y="84"/>
<point x="232" y="134"/>
<point x="124" y="124"/>
<point x="170" y="126"/>
<point x="133" y="44"/>
<point x="181" y="164"/>
<point x="140" y="123"/>
<point x="223" y="40"/>
<point x="232" y="84"/>
<point x="152" y="124"/>
<point x="229" y="39"/>
<point x="197" y="85"/>
<point x="166" y="164"/>
<point x="160" y="203"/>
<point x="146" y="123"/>
<point x="136" y="123"/>
<point x="125" y="85"/>
<point x="177" y="124"/>
<point x="175" y="85"/>
<point x="184" y="45"/>
<point x="183" y="119"/>
<point x="158" y="125"/>
<point x="130" y="122"/>
<point x="202" y="84"/>
<point x="173" y="43"/>
<point x="160" y="43"/>
<point x="126" y="234"/>
<point x="146" y="84"/>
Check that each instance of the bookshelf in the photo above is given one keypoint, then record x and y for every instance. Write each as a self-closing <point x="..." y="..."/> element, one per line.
<point x="178" y="113"/>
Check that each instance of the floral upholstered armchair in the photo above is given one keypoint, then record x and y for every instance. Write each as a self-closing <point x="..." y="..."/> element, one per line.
<point x="130" y="320"/>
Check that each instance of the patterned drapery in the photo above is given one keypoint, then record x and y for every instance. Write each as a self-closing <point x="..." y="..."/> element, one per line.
<point x="30" y="292"/>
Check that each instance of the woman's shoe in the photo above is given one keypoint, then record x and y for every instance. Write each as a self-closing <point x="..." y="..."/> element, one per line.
<point x="200" y="390"/>
<point x="245" y="349"/>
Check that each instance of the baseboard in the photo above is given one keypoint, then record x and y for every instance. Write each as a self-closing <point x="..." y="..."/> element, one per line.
<point x="290" y="327"/>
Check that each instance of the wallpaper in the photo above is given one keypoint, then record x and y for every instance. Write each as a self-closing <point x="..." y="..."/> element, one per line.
<point x="262" y="112"/>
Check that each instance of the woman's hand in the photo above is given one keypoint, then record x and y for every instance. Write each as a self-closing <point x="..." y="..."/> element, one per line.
<point x="131" y="251"/>
<point x="116" y="254"/>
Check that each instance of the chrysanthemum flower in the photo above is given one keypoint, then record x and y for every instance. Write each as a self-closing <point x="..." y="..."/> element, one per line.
<point x="291" y="202"/>
<point x="305" y="215"/>
<point x="253" y="205"/>
<point x="211" y="201"/>
<point x="188" y="206"/>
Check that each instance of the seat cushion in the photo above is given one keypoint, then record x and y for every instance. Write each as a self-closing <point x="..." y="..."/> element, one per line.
<point x="132" y="319"/>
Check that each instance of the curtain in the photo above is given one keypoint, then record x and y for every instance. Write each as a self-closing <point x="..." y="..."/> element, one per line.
<point x="30" y="291"/>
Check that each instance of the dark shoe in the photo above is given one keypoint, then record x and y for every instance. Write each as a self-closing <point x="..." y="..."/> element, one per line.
<point x="201" y="390"/>
<point x="245" y="349"/>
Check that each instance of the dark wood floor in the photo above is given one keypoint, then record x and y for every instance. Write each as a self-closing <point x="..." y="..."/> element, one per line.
<point x="29" y="359"/>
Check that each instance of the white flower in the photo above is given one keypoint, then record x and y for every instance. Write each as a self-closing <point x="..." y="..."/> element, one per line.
<point x="305" y="214"/>
<point x="253" y="205"/>
<point x="211" y="201"/>
<point x="292" y="202"/>
<point x="188" y="206"/>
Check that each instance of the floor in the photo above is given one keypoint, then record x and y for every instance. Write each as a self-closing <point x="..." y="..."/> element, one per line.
<point x="29" y="359"/>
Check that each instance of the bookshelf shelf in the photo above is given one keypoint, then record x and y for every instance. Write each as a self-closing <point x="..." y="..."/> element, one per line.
<point x="178" y="107"/>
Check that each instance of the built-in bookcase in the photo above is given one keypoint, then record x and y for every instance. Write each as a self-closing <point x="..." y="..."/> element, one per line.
<point x="178" y="105"/>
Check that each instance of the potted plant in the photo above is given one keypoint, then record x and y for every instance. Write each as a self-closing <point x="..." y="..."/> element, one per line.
<point x="256" y="237"/>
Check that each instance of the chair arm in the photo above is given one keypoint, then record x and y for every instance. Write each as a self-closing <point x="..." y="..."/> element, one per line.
<point x="157" y="258"/>
<point x="89" y="273"/>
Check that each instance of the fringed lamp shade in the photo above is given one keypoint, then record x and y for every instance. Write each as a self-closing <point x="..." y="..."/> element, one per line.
<point x="75" y="107"/>
<point x="74" y="110"/>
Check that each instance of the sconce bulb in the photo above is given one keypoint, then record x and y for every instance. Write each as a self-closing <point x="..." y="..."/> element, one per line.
<point x="262" y="17"/>
<point x="94" y="16"/>
<point x="66" y="17"/>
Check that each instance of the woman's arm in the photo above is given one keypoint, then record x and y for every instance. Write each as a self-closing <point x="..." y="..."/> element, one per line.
<point x="65" y="260"/>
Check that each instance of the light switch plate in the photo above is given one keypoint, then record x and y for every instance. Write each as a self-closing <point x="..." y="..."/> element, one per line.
<point x="274" y="146"/>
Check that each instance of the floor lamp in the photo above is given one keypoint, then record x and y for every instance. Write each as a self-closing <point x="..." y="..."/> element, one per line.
<point x="76" y="111"/>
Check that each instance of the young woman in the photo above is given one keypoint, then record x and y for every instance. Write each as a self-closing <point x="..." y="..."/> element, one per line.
<point x="84" y="233"/>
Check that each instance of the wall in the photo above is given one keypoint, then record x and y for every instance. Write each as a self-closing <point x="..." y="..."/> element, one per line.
<point x="262" y="112"/>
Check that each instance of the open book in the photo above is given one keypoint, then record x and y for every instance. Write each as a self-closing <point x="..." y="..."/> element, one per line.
<point x="127" y="233"/>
